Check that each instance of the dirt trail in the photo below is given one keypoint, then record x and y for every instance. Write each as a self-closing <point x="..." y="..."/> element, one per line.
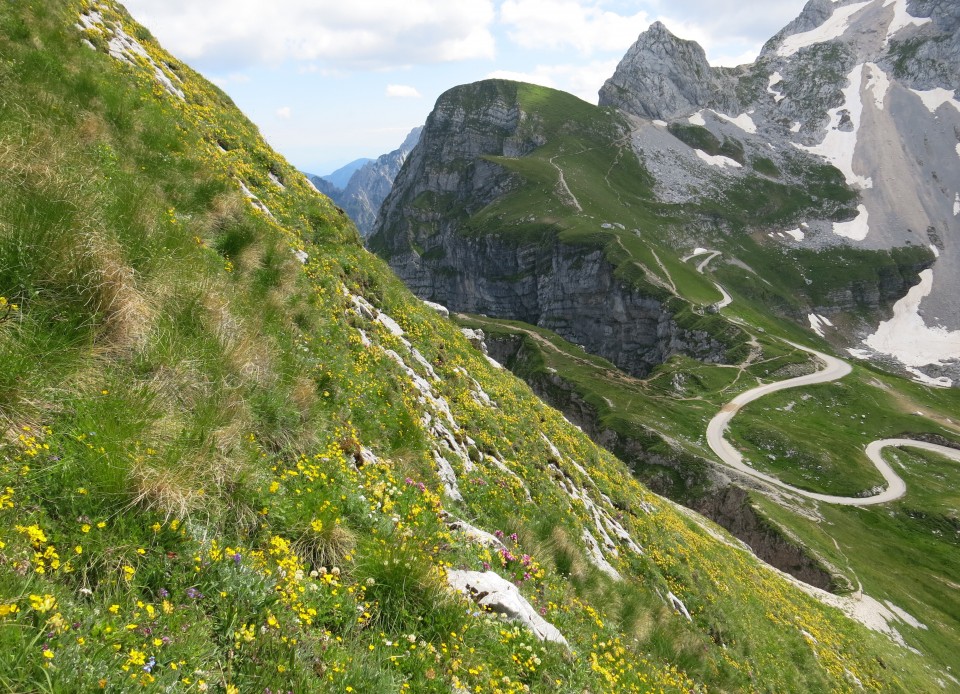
<point x="833" y="370"/>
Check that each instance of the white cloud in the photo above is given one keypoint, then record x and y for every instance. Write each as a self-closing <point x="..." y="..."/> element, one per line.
<point x="284" y="112"/>
<point x="581" y="79"/>
<point x="584" y="26"/>
<point x="402" y="91"/>
<point x="370" y="34"/>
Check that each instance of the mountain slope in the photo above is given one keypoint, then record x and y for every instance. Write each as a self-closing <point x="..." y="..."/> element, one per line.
<point x="238" y="455"/>
<point x="341" y="177"/>
<point x="869" y="86"/>
<point x="641" y="274"/>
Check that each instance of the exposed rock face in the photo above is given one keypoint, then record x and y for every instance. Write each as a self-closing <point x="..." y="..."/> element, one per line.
<point x="571" y="290"/>
<point x="467" y="123"/>
<point x="369" y="185"/>
<point x="730" y="508"/>
<point x="492" y="591"/>
<point x="663" y="77"/>
<point x="931" y="58"/>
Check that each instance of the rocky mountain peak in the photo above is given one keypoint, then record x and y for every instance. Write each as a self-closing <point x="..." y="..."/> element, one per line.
<point x="662" y="77"/>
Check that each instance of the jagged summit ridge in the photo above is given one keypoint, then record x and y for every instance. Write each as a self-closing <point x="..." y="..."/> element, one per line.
<point x="869" y="86"/>
<point x="662" y="77"/>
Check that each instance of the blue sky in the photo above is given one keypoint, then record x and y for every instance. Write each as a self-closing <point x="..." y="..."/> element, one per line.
<point x="329" y="81"/>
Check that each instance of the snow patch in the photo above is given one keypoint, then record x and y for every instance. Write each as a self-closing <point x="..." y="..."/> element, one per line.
<point x="795" y="128"/>
<point x="901" y="19"/>
<point x="933" y="99"/>
<point x="775" y="79"/>
<point x="856" y="229"/>
<point x="935" y="251"/>
<point x="661" y="123"/>
<point x="697" y="119"/>
<point x="818" y="323"/>
<point x="719" y="160"/>
<point x="743" y="121"/>
<point x="908" y="338"/>
<point x="859" y="353"/>
<point x="878" y="84"/>
<point x="833" y="28"/>
<point x="796" y="234"/>
<point x="920" y="377"/>
<point x="839" y="146"/>
<point x="956" y="200"/>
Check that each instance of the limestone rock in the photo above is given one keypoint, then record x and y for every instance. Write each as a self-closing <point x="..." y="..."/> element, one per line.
<point x="662" y="77"/>
<point x="494" y="592"/>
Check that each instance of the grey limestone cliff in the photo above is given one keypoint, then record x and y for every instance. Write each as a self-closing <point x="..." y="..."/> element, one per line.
<point x="370" y="184"/>
<point x="570" y="289"/>
<point x="662" y="77"/>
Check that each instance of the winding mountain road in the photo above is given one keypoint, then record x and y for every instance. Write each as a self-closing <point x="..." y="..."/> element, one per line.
<point x="833" y="370"/>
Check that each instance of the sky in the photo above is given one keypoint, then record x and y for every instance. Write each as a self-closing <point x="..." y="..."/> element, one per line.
<point x="330" y="81"/>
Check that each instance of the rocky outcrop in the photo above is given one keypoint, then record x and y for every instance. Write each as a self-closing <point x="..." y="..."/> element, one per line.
<point x="730" y="508"/>
<point x="496" y="594"/>
<point x="662" y="77"/>
<point x="929" y="57"/>
<point x="448" y="175"/>
<point x="572" y="290"/>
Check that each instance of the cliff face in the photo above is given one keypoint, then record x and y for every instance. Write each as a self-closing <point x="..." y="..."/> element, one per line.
<point x="662" y="77"/>
<point x="570" y="289"/>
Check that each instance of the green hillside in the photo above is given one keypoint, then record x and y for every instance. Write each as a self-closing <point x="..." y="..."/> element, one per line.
<point x="581" y="192"/>
<point x="234" y="448"/>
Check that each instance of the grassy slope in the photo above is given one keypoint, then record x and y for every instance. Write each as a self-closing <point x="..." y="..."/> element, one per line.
<point x="904" y="552"/>
<point x="811" y="445"/>
<point x="185" y="406"/>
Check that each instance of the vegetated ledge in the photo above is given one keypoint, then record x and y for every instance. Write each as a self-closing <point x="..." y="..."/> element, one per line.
<point x="682" y="477"/>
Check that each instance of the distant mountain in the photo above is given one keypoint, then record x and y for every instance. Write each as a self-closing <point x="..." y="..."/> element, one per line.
<point x="870" y="88"/>
<point x="341" y="176"/>
<point x="368" y="186"/>
<point x="324" y="186"/>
